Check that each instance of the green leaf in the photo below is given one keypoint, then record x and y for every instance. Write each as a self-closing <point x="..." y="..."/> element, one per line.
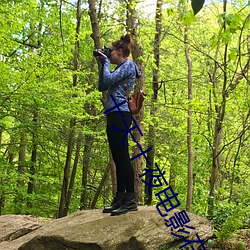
<point x="241" y="245"/>
<point x="188" y="17"/>
<point x="210" y="243"/>
<point x="170" y="11"/>
<point x="233" y="54"/>
<point x="197" y="5"/>
<point x="226" y="36"/>
<point x="218" y="235"/>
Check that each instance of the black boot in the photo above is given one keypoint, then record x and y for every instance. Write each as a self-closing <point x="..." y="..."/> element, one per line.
<point x="128" y="204"/>
<point x="116" y="203"/>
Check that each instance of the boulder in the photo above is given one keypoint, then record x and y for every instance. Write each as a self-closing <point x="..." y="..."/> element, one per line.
<point x="144" y="229"/>
<point x="15" y="226"/>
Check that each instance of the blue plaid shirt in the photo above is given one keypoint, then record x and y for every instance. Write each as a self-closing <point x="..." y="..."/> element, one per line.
<point x="113" y="82"/>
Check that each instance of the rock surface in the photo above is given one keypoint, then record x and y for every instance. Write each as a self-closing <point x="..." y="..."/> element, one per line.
<point x="15" y="226"/>
<point x="144" y="229"/>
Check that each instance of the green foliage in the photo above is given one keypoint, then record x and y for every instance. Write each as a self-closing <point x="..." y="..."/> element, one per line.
<point x="241" y="245"/>
<point x="210" y="244"/>
<point x="222" y="211"/>
<point x="235" y="221"/>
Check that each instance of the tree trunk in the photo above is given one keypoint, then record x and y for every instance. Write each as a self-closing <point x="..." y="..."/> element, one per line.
<point x="2" y="197"/>
<point x="137" y="53"/>
<point x="9" y="160"/>
<point x="88" y="139"/>
<point x="66" y="170"/>
<point x="73" y="174"/>
<point x="1" y="135"/>
<point x="35" y="112"/>
<point x="97" y="45"/>
<point x="99" y="189"/>
<point x="151" y="133"/>
<point x="19" y="198"/>
<point x="78" y="144"/>
<point x="21" y="159"/>
<point x="1" y="179"/>
<point x="189" y="124"/>
<point x="2" y="201"/>
<point x="172" y="171"/>
<point x="95" y="24"/>
<point x="33" y="156"/>
<point x="11" y="152"/>
<point x="64" y="191"/>
<point x="32" y="167"/>
<point x="245" y="122"/>
<point x="85" y="169"/>
<point x="77" y="43"/>
<point x="217" y="142"/>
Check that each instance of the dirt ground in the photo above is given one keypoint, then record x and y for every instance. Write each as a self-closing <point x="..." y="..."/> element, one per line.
<point x="232" y="244"/>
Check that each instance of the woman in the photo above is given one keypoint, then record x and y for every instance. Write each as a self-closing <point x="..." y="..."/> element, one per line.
<point x="126" y="71"/>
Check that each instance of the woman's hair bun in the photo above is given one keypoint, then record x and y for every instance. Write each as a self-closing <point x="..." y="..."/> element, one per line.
<point x="123" y="43"/>
<point x="126" y="39"/>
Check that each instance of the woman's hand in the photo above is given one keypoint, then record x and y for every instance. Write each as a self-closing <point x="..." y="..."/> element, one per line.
<point x="101" y="58"/>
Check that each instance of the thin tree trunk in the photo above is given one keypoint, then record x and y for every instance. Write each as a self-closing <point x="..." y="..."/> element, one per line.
<point x="214" y="81"/>
<point x="78" y="144"/>
<point x="77" y="43"/>
<point x="95" y="24"/>
<point x="64" y="191"/>
<point x="2" y="201"/>
<point x="19" y="199"/>
<point x="34" y="144"/>
<point x="88" y="139"/>
<point x="172" y="176"/>
<point x="217" y="142"/>
<point x="234" y="167"/>
<point x="33" y="157"/>
<point x="97" y="44"/>
<point x="32" y="167"/>
<point x="21" y="159"/>
<point x="73" y="174"/>
<point x="1" y="180"/>
<point x="220" y="110"/>
<point x="137" y="53"/>
<point x="189" y="124"/>
<point x="99" y="189"/>
<point x="1" y="135"/>
<point x="85" y="169"/>
<point x="66" y="170"/>
<point x="2" y="196"/>
<point x="151" y="133"/>
<point x="35" y="112"/>
<point x="11" y="151"/>
<point x="172" y="171"/>
<point x="245" y="122"/>
<point x="240" y="142"/>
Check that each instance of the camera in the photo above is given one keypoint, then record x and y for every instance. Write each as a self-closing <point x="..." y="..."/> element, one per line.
<point x="106" y="51"/>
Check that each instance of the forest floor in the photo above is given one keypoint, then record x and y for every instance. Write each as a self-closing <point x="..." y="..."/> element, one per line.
<point x="233" y="243"/>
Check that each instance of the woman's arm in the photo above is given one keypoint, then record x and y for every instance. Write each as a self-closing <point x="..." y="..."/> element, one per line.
<point x="101" y="86"/>
<point x="123" y="72"/>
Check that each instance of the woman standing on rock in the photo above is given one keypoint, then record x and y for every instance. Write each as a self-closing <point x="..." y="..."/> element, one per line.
<point x="125" y="72"/>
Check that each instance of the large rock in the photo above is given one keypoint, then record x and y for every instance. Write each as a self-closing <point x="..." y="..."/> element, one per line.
<point x="92" y="230"/>
<point x="15" y="226"/>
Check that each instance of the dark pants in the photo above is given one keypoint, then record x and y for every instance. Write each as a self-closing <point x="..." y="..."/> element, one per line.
<point x="124" y="169"/>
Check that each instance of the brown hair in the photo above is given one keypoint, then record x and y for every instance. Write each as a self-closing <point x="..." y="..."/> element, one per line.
<point x="124" y="44"/>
